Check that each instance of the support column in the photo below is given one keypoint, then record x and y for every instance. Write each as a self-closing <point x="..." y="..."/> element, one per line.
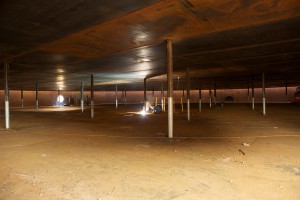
<point x="188" y="93"/>
<point x="58" y="94"/>
<point x="7" y="118"/>
<point x="170" y="87"/>
<point x="145" y="94"/>
<point x="22" y="98"/>
<point x="125" y="97"/>
<point x="36" y="96"/>
<point x="162" y="97"/>
<point x="248" y="93"/>
<point x="210" y="95"/>
<point x="252" y="94"/>
<point x="215" y="92"/>
<point x="286" y="91"/>
<point x="82" y="97"/>
<point x="116" y="96"/>
<point x="92" y="96"/>
<point x="264" y="93"/>
<point x="200" y="97"/>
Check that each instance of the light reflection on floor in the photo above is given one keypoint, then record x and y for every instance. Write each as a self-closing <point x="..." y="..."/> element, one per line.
<point x="48" y="109"/>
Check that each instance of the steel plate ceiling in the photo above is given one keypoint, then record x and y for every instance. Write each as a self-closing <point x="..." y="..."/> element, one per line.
<point x="60" y="43"/>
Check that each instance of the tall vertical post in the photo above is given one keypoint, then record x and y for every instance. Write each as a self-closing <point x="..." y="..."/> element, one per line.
<point x="215" y="92"/>
<point x="286" y="91"/>
<point x="116" y="96"/>
<point x="170" y="87"/>
<point x="248" y="97"/>
<point x="92" y="96"/>
<point x="210" y="95"/>
<point x="162" y="97"/>
<point x="145" y="94"/>
<point x="125" y="97"/>
<point x="82" y="97"/>
<point x="252" y="93"/>
<point x="37" y="95"/>
<point x="188" y="93"/>
<point x="200" y="97"/>
<point x="22" y="98"/>
<point x="264" y="93"/>
<point x="7" y="120"/>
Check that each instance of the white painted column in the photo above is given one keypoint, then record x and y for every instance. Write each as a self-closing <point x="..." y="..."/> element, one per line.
<point x="170" y="87"/>
<point x="286" y="91"/>
<point x="92" y="96"/>
<point x="36" y="96"/>
<point x="200" y="97"/>
<point x="7" y="117"/>
<point x="22" y="98"/>
<point x="82" y="97"/>
<point x="116" y="96"/>
<point x="215" y="92"/>
<point x="210" y="96"/>
<point x="145" y="95"/>
<point x="264" y="93"/>
<point x="253" y="103"/>
<point x="188" y="94"/>
<point x="125" y="97"/>
<point x="162" y="97"/>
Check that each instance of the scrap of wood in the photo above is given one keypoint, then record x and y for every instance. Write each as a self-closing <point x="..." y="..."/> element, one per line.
<point x="242" y="152"/>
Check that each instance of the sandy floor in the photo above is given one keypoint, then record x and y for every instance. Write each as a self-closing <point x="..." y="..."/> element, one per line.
<point x="119" y="155"/>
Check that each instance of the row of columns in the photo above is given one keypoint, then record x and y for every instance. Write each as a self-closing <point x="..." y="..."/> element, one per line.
<point x="169" y="49"/>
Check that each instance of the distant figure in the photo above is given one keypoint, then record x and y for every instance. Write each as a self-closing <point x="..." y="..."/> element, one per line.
<point x="157" y="109"/>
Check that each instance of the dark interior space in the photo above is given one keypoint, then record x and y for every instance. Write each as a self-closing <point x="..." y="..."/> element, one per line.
<point x="156" y="99"/>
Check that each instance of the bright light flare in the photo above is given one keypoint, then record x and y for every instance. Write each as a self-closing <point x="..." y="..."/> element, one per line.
<point x="143" y="112"/>
<point x="60" y="99"/>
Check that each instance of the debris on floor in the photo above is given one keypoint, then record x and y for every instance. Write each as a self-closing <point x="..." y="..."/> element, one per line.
<point x="161" y="134"/>
<point x="246" y="144"/>
<point x="143" y="145"/>
<point x="242" y="152"/>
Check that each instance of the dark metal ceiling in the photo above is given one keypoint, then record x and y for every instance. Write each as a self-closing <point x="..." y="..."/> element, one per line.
<point x="60" y="43"/>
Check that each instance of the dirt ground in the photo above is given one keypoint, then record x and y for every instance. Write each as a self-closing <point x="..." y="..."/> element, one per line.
<point x="222" y="153"/>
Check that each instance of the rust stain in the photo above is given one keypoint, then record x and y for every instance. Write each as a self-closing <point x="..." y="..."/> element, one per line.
<point x="175" y="19"/>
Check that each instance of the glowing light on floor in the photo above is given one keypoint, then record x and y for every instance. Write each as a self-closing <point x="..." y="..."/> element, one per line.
<point x="60" y="99"/>
<point x="143" y="112"/>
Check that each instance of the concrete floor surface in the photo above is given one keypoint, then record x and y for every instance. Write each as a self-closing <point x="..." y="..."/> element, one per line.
<point x="228" y="152"/>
